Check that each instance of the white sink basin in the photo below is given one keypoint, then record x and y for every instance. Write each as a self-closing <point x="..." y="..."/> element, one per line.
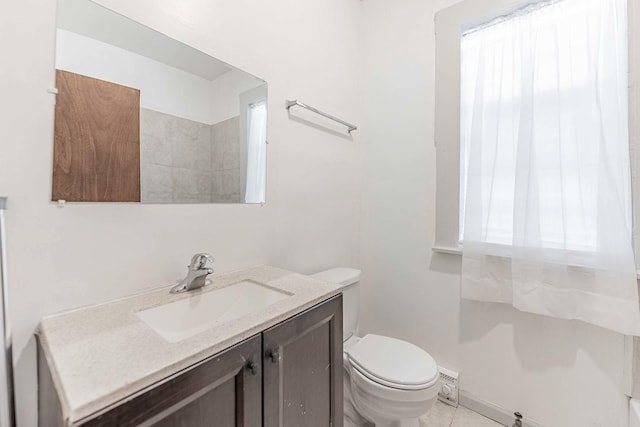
<point x="182" y="319"/>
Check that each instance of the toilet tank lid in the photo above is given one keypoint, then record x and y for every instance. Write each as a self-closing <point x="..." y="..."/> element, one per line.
<point x="340" y="276"/>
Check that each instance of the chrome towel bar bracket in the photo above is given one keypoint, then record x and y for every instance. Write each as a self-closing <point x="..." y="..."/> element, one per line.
<point x="296" y="103"/>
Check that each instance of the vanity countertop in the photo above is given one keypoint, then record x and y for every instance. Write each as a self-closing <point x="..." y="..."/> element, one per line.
<point x="101" y="354"/>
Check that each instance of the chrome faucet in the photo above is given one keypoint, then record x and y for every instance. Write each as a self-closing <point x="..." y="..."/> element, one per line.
<point x="197" y="273"/>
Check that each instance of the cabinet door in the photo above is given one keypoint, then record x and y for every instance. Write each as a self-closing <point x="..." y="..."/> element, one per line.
<point x="303" y="369"/>
<point x="96" y="147"/>
<point x="222" y="391"/>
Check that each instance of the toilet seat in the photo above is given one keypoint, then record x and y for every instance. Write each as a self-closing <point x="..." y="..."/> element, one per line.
<point x="393" y="363"/>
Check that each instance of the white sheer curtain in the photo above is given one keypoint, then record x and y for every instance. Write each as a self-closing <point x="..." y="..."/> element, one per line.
<point x="256" y="153"/>
<point x="546" y="185"/>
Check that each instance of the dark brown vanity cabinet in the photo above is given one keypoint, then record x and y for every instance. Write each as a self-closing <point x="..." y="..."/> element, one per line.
<point x="302" y="368"/>
<point x="224" y="390"/>
<point x="288" y="376"/>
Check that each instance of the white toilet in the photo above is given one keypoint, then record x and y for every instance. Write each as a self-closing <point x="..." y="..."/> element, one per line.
<point x="387" y="381"/>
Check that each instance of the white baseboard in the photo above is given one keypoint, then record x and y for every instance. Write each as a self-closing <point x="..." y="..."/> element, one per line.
<point x="494" y="412"/>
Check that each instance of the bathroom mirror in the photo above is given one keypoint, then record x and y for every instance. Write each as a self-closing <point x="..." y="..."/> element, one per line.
<point x="141" y="117"/>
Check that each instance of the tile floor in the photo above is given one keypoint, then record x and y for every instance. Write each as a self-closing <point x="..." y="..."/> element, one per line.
<point x="442" y="415"/>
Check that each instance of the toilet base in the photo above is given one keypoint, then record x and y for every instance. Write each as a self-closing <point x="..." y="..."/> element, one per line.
<point x="411" y="422"/>
<point x="368" y="403"/>
<point x="348" y="422"/>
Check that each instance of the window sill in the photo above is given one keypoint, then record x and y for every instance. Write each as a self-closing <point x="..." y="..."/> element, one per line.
<point x="447" y="250"/>
<point x="457" y="251"/>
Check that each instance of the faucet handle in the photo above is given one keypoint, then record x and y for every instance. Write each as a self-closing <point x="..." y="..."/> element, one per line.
<point x="199" y="261"/>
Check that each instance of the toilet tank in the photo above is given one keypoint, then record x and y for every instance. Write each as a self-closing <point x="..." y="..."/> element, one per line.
<point x="349" y="280"/>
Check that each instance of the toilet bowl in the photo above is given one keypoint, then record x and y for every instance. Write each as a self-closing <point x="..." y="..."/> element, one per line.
<point x="388" y="382"/>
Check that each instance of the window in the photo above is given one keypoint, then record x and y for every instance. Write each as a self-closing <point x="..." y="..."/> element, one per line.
<point x="256" y="152"/>
<point x="253" y="149"/>
<point x="540" y="96"/>
<point x="450" y="25"/>
<point x="533" y="155"/>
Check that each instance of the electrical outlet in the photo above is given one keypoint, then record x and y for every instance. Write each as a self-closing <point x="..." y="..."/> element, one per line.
<point x="448" y="387"/>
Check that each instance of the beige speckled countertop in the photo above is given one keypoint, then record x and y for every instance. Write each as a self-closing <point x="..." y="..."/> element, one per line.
<point x="101" y="354"/>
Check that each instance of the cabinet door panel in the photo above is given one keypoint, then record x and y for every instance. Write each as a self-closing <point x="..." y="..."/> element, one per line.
<point x="303" y="369"/>
<point x="222" y="391"/>
<point x="216" y="407"/>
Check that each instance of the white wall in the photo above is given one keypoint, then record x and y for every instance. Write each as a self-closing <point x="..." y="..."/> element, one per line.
<point x="227" y="90"/>
<point x="559" y="373"/>
<point x="88" y="253"/>
<point x="162" y="88"/>
<point x="94" y="21"/>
